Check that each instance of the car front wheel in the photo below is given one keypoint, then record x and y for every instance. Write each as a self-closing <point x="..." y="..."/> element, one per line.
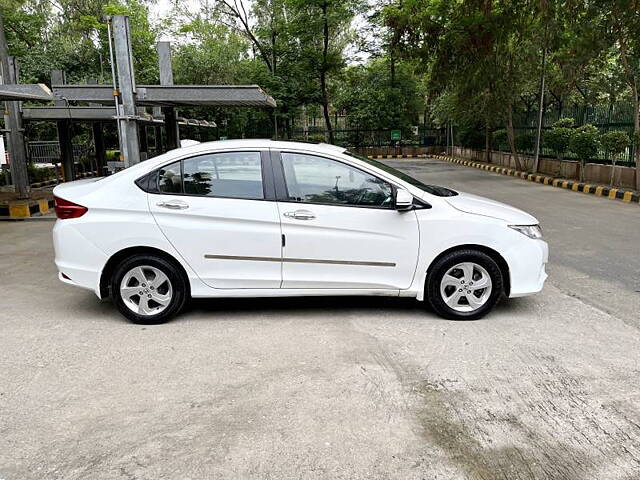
<point x="464" y="285"/>
<point x="148" y="289"/>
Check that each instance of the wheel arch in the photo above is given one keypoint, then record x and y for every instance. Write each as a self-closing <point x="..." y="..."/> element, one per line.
<point x="116" y="258"/>
<point x="499" y="259"/>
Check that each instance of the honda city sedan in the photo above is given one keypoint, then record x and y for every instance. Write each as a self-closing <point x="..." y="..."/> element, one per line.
<point x="260" y="218"/>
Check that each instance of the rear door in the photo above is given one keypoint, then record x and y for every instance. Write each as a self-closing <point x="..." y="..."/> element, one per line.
<point x="340" y="226"/>
<point x="218" y="211"/>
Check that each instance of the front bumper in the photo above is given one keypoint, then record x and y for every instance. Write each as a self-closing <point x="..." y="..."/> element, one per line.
<point x="527" y="267"/>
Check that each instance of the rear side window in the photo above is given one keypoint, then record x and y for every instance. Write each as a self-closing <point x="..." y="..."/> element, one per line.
<point x="232" y="175"/>
<point x="226" y="175"/>
<point x="170" y="178"/>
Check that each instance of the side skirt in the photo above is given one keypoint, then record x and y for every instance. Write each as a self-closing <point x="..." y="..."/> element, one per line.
<point x="297" y="292"/>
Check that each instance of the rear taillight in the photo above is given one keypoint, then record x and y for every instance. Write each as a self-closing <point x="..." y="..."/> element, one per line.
<point x="66" y="209"/>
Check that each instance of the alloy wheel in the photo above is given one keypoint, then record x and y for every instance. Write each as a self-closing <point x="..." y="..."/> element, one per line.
<point x="466" y="287"/>
<point x="146" y="290"/>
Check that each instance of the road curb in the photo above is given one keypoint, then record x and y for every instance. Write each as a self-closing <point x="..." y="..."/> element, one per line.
<point x="20" y="210"/>
<point x="627" y="196"/>
<point x="417" y="155"/>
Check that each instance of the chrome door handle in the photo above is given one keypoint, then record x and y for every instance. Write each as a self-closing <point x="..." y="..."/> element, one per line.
<point x="300" y="215"/>
<point x="173" y="205"/>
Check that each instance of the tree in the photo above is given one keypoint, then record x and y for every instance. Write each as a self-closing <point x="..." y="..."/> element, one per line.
<point x="614" y="143"/>
<point x="322" y="30"/>
<point x="363" y="89"/>
<point x="624" y="16"/>
<point x="558" y="138"/>
<point x="585" y="142"/>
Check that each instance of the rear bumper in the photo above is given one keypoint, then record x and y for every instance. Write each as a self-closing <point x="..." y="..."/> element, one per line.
<point x="77" y="259"/>
<point x="527" y="267"/>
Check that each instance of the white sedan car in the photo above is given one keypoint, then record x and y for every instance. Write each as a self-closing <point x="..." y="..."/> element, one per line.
<point x="258" y="218"/>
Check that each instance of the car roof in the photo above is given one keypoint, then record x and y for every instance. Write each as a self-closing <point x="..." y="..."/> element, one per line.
<point x="265" y="143"/>
<point x="171" y="155"/>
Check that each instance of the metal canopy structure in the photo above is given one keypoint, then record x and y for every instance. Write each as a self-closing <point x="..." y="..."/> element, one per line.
<point x="19" y="92"/>
<point x="172" y="95"/>
<point x="123" y="102"/>
<point x="96" y="114"/>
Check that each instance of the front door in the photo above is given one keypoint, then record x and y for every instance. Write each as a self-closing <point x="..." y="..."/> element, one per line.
<point x="216" y="211"/>
<point x="341" y="229"/>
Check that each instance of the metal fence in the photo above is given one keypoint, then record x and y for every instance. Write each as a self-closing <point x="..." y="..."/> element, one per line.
<point x="49" y="152"/>
<point x="409" y="136"/>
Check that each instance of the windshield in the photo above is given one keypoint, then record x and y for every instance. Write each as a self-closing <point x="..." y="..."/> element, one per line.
<point x="432" y="189"/>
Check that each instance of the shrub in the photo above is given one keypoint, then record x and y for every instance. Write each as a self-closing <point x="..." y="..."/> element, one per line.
<point x="40" y="174"/>
<point x="525" y="142"/>
<point x="559" y="137"/>
<point x="112" y="155"/>
<point x="564" y="123"/>
<point x="471" y="137"/>
<point x="585" y="142"/>
<point x="615" y="142"/>
<point x="500" y="139"/>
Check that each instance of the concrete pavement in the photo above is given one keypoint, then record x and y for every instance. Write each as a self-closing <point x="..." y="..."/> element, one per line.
<point x="543" y="388"/>
<point x="594" y="246"/>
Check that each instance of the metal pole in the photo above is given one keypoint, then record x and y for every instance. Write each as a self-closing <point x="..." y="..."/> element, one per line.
<point x="166" y="78"/>
<point x="157" y="132"/>
<point x="142" y="134"/>
<point x="65" y="137"/>
<point x="541" y="108"/>
<point x="98" y="139"/>
<point x="13" y="123"/>
<point x="127" y="89"/>
<point x="116" y="95"/>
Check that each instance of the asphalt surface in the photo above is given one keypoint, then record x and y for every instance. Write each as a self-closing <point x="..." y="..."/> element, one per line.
<point x="545" y="387"/>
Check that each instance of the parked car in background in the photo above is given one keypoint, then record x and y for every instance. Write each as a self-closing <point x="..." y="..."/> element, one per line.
<point x="260" y="218"/>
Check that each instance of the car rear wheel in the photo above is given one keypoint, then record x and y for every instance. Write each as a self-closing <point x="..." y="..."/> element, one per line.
<point x="464" y="285"/>
<point x="148" y="289"/>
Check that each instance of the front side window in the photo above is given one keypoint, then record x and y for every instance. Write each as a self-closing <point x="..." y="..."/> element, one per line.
<point x="314" y="179"/>
<point x="226" y="175"/>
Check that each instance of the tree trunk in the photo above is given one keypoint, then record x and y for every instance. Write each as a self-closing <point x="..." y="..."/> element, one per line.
<point x="512" y="139"/>
<point x="636" y="133"/>
<point x="323" y="72"/>
<point x="487" y="143"/>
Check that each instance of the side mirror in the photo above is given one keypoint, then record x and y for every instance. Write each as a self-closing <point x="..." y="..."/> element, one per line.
<point x="404" y="200"/>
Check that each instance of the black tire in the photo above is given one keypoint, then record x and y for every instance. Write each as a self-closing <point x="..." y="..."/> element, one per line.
<point x="178" y="283"/>
<point x="450" y="260"/>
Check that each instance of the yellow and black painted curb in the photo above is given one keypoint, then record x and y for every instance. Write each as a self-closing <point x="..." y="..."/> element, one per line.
<point x="627" y="196"/>
<point x="19" y="210"/>
<point x="417" y="155"/>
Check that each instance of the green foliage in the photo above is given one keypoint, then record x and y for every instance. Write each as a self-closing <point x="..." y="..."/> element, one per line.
<point x="364" y="88"/>
<point x="73" y="37"/>
<point x="112" y="155"/>
<point x="558" y="138"/>
<point x="40" y="174"/>
<point x="470" y="137"/>
<point x="564" y="123"/>
<point x="526" y="142"/>
<point x="615" y="142"/>
<point x="500" y="139"/>
<point x="585" y="142"/>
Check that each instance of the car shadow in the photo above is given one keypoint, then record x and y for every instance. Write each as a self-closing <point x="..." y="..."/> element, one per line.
<point x="327" y="304"/>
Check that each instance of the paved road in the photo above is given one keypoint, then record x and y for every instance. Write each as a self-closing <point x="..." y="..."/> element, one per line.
<point x="544" y="388"/>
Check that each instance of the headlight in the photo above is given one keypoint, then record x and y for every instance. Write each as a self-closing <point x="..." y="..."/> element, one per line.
<point x="531" y="231"/>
